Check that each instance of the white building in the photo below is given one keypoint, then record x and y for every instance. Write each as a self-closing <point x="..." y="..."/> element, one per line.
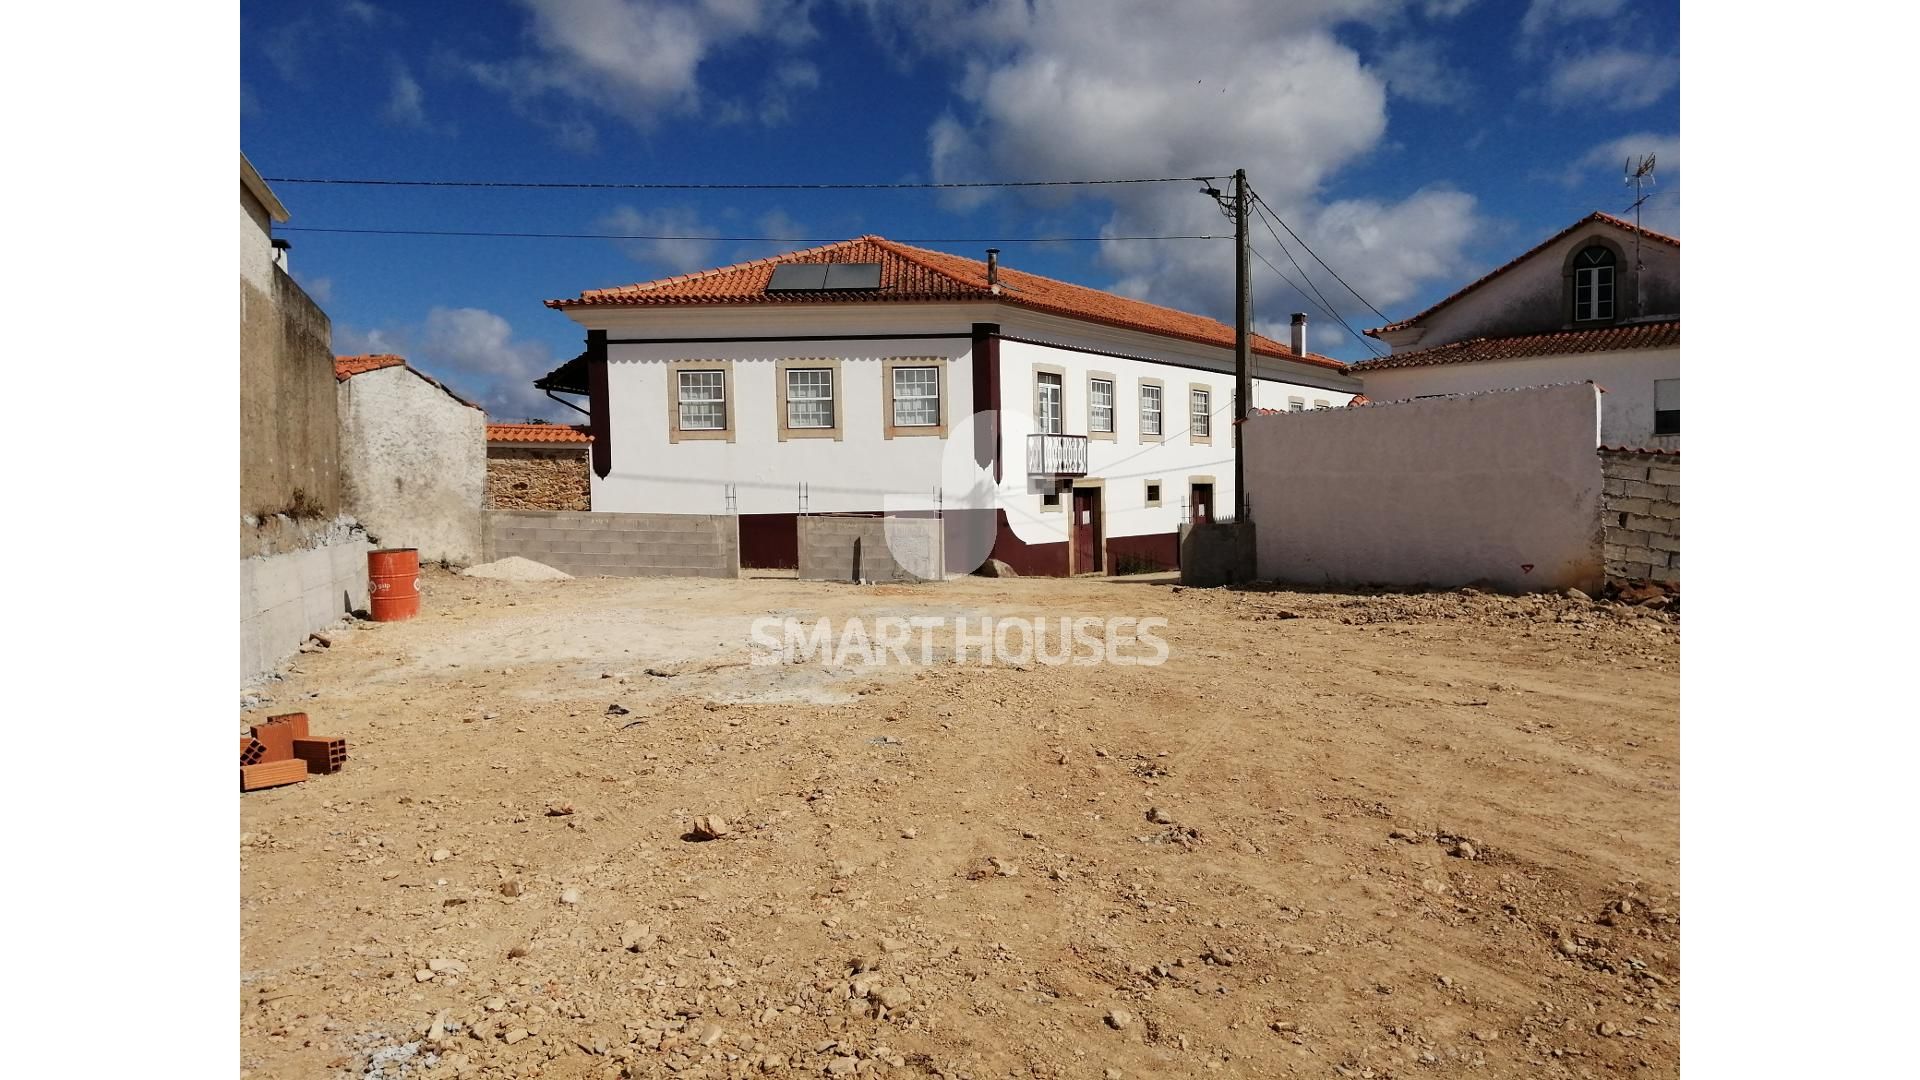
<point x="844" y="379"/>
<point x="1597" y="302"/>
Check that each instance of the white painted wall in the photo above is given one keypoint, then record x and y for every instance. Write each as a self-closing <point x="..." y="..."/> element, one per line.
<point x="1626" y="409"/>
<point x="256" y="243"/>
<point x="1504" y="487"/>
<point x="864" y="470"/>
<point x="413" y="464"/>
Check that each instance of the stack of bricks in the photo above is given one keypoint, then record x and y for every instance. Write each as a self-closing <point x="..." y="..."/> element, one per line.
<point x="281" y="751"/>
<point x="1641" y="513"/>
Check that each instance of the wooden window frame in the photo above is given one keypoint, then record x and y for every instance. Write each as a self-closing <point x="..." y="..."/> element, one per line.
<point x="783" y="430"/>
<point x="1192" y="390"/>
<point x="730" y="403"/>
<point x="1153" y="436"/>
<point x="1034" y="398"/>
<point x="941" y="386"/>
<point x="1113" y="406"/>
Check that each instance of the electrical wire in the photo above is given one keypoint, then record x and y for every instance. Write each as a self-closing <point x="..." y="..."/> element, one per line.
<point x="1326" y="306"/>
<point x="733" y="239"/>
<point x="650" y="186"/>
<point x="1334" y="315"/>
<point x="1258" y="201"/>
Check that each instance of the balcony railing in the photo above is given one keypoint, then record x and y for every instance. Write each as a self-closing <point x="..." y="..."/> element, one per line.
<point x="1056" y="455"/>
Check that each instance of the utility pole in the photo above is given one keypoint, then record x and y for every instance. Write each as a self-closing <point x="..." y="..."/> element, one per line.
<point x="1242" y="343"/>
<point x="1639" y="177"/>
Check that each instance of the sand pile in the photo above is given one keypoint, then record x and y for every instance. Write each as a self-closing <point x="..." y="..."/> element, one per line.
<point x="515" y="568"/>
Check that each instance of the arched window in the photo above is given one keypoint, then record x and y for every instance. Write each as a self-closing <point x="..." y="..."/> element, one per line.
<point x="1593" y="284"/>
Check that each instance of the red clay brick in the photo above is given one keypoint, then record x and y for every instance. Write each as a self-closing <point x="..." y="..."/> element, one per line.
<point x="322" y="754"/>
<point x="295" y="720"/>
<point x="251" y="750"/>
<point x="272" y="774"/>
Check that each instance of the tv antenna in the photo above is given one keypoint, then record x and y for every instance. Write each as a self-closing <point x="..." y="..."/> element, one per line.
<point x="1639" y="177"/>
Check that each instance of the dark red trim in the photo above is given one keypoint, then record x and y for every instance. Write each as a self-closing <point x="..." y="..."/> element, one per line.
<point x="1031" y="560"/>
<point x="1143" y="554"/>
<point x="986" y="396"/>
<point x="770" y="541"/>
<point x="599" y="420"/>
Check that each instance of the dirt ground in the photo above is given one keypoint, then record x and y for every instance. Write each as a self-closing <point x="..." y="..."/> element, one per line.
<point x="1334" y="835"/>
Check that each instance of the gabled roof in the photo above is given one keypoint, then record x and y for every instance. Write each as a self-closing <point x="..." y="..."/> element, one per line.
<point x="911" y="274"/>
<point x="538" y="433"/>
<point x="1653" y="335"/>
<point x="1596" y="216"/>
<point x="346" y="367"/>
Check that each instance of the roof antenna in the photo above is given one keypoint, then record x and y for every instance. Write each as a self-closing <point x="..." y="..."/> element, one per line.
<point x="1639" y="177"/>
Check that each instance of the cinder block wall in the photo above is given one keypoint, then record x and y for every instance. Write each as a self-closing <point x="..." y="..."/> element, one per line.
<point x="589" y="544"/>
<point x="869" y="548"/>
<point x="285" y="597"/>
<point x="1641" y="512"/>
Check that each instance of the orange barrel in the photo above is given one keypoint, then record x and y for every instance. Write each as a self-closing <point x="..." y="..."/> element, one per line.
<point x="393" y="578"/>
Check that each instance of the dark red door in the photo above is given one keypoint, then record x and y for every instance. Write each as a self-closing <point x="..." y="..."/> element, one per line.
<point x="1086" y="531"/>
<point x="1202" y="500"/>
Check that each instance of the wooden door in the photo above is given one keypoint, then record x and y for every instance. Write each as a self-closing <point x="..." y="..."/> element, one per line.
<point x="1086" y="531"/>
<point x="1201" y="500"/>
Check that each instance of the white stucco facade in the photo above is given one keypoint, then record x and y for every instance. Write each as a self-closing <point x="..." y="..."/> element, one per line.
<point x="1626" y="408"/>
<point x="866" y="463"/>
<point x="413" y="464"/>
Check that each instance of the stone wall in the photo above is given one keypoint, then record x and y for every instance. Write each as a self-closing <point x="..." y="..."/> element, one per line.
<point x="1641" y="513"/>
<point x="861" y="548"/>
<point x="532" y="478"/>
<point x="413" y="464"/>
<point x="618" y="545"/>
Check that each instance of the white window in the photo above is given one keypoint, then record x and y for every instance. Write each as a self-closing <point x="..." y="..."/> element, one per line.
<point x="809" y="397"/>
<point x="1149" y="410"/>
<point x="1593" y="284"/>
<point x="1047" y="416"/>
<point x="1200" y="424"/>
<point x="1666" y="406"/>
<point x="1100" y="405"/>
<point x="916" y="397"/>
<point x="1321" y="403"/>
<point x="703" y="401"/>
<point x="1295" y="404"/>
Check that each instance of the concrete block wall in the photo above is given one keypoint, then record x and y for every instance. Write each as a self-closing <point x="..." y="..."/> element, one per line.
<point x="1217" y="553"/>
<point x="1641" y="513"/>
<point x="286" y="597"/>
<point x="836" y="548"/>
<point x="593" y="544"/>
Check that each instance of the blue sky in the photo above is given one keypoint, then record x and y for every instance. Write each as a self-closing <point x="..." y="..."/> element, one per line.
<point x="1414" y="145"/>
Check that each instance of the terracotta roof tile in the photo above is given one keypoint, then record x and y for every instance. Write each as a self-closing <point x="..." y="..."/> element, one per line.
<point x="1650" y="451"/>
<point x="346" y="367"/>
<point x="911" y="274"/>
<point x="538" y="433"/>
<point x="1597" y="215"/>
<point x="1657" y="335"/>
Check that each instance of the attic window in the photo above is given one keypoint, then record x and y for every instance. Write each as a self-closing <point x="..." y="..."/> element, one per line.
<point x="824" y="277"/>
<point x="1593" y="285"/>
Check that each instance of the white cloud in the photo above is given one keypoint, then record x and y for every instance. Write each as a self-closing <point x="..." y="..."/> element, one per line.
<point x="1613" y="78"/>
<point x="1544" y="15"/>
<point x="1417" y="71"/>
<point x="474" y="352"/>
<point x="319" y="289"/>
<point x="686" y="244"/>
<point x="1605" y="161"/>
<point x="1048" y="93"/>
<point x="406" y="103"/>
<point x="634" y="59"/>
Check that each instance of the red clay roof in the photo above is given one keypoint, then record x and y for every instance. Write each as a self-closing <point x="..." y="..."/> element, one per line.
<point x="346" y="367"/>
<point x="1657" y="335"/>
<point x="1596" y="216"/>
<point x="911" y="274"/>
<point x="538" y="433"/>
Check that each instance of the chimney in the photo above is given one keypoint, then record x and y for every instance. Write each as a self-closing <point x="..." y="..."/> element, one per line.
<point x="993" y="269"/>
<point x="1300" y="333"/>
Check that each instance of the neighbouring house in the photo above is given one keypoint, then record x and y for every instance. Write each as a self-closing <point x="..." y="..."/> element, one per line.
<point x="413" y="458"/>
<point x="303" y="563"/>
<point x="846" y="378"/>
<point x="536" y="466"/>
<point x="1597" y="302"/>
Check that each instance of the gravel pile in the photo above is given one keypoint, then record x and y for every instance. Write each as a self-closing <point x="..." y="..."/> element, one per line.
<point x="515" y="568"/>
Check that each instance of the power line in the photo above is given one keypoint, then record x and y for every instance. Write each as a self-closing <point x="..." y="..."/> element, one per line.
<point x="1334" y="315"/>
<point x="1336" y="274"/>
<point x="1326" y="305"/>
<point x="733" y="239"/>
<point x="649" y="186"/>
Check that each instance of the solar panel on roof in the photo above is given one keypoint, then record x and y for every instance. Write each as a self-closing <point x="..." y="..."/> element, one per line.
<point x="798" y="277"/>
<point x="853" y="276"/>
